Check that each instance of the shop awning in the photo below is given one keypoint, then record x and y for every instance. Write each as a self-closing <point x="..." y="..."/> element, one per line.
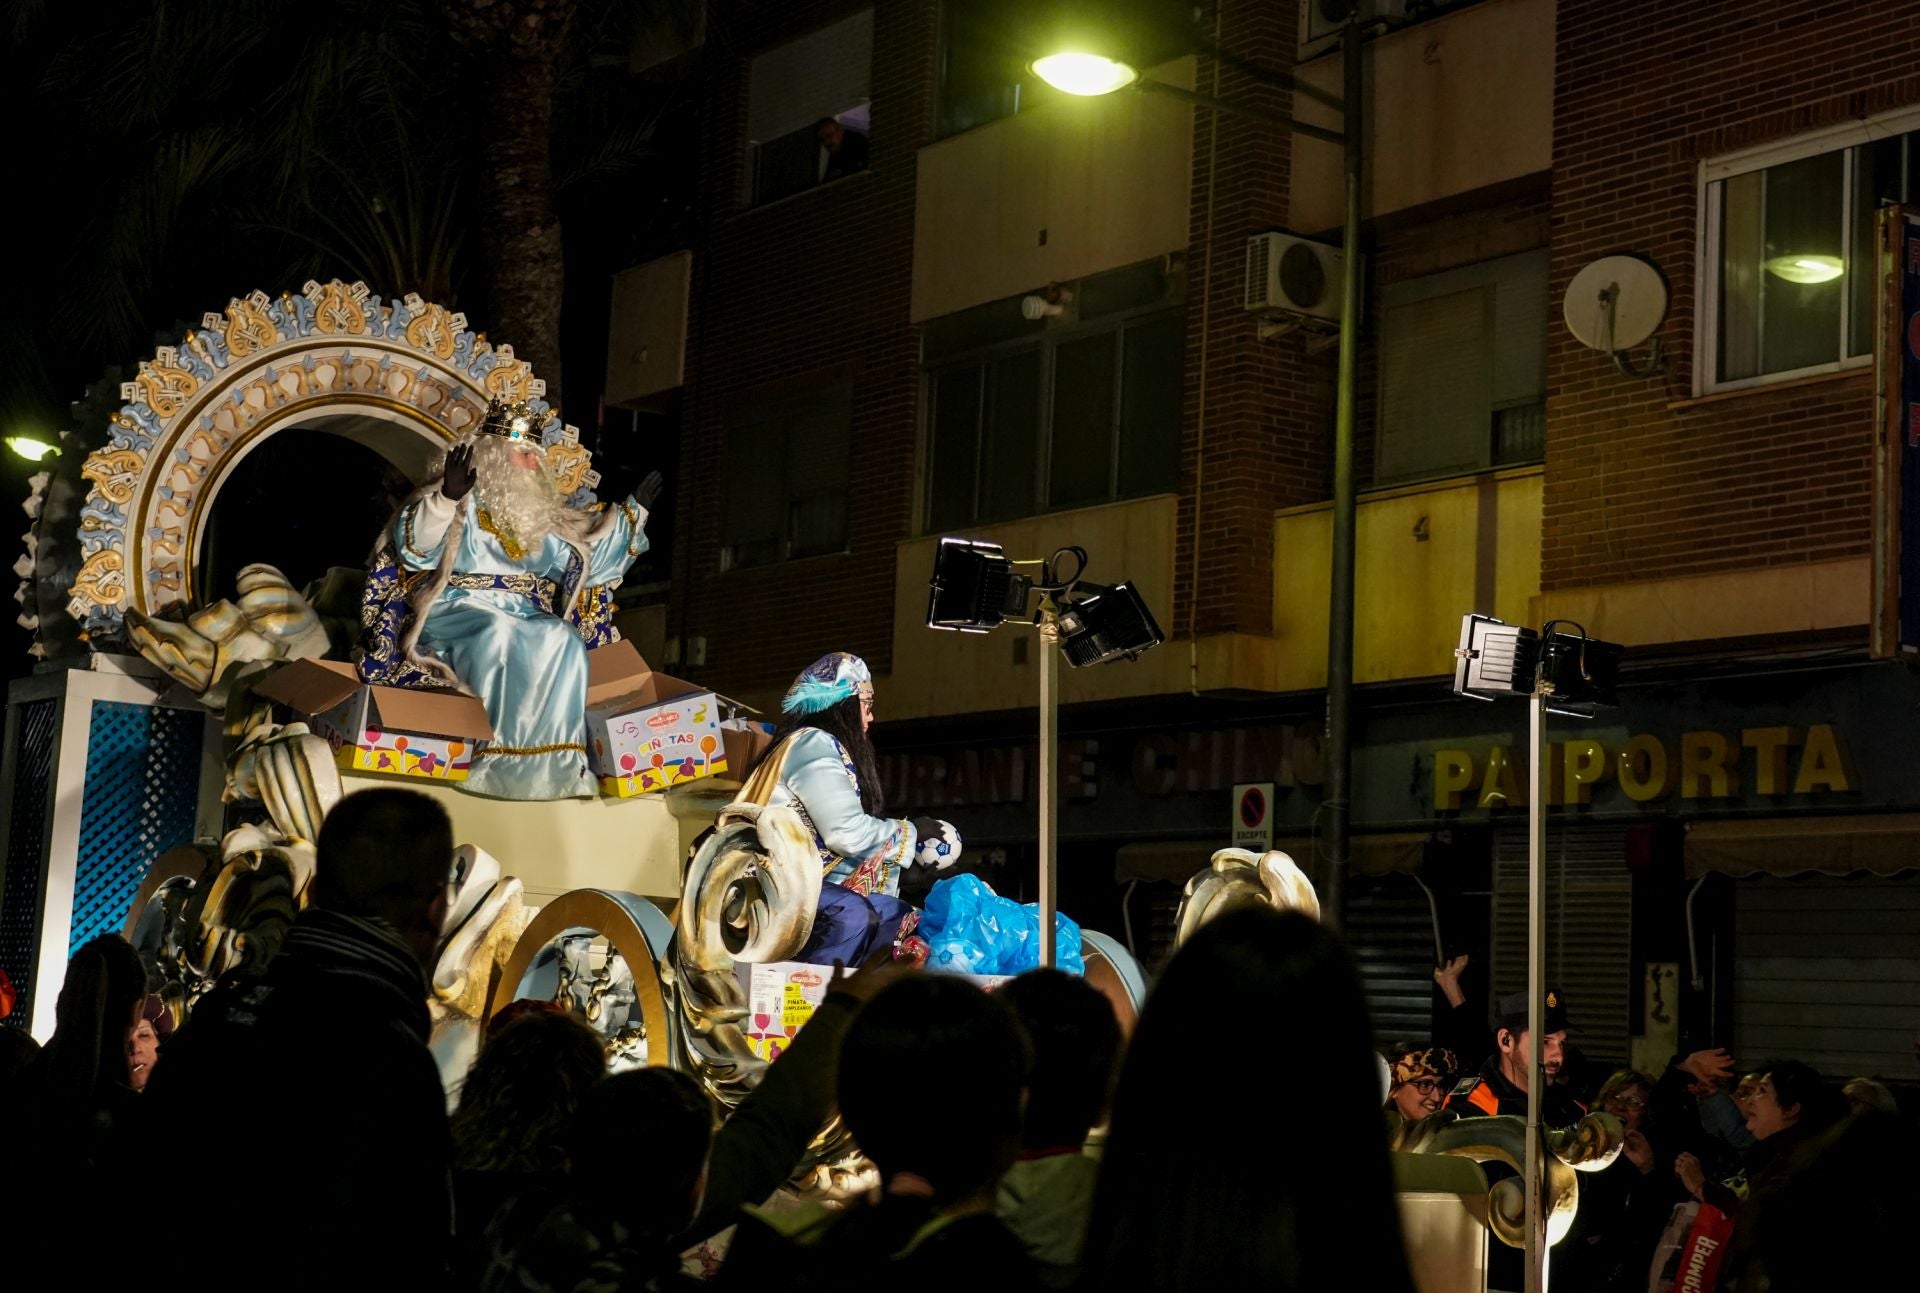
<point x="1176" y="861"/>
<point x="1881" y="844"/>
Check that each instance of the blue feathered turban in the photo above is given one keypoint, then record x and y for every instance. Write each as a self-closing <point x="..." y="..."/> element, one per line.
<point x="826" y="682"/>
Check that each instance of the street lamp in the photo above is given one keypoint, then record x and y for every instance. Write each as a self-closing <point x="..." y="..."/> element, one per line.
<point x="1084" y="74"/>
<point x="1560" y="673"/>
<point x="32" y="447"/>
<point x="1096" y="48"/>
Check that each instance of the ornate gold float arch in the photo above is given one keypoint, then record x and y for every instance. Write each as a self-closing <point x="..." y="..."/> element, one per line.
<point x="195" y="410"/>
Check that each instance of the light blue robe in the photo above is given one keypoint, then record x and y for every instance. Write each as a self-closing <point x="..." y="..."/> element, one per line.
<point x="819" y="782"/>
<point x="527" y="665"/>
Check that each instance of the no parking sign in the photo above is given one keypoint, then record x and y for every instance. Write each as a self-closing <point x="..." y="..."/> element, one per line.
<point x="1253" y="816"/>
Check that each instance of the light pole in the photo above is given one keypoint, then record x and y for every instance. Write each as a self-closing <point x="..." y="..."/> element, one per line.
<point x="1084" y="70"/>
<point x="1567" y="674"/>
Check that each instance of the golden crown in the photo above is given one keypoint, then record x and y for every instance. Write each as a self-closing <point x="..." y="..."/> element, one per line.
<point x="519" y="421"/>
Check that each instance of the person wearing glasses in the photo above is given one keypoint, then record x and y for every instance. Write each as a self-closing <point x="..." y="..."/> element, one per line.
<point x="1421" y="1078"/>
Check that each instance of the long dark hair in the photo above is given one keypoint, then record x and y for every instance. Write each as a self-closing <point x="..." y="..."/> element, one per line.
<point x="843" y="724"/>
<point x="1264" y="1191"/>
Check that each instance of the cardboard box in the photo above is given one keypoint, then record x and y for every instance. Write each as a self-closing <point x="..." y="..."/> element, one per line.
<point x="407" y="733"/>
<point x="782" y="996"/>
<point x="745" y="740"/>
<point x="647" y="731"/>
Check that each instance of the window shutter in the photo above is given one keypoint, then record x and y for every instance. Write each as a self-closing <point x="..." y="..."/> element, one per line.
<point x="1519" y="329"/>
<point x="1589" y="917"/>
<point x="819" y="433"/>
<point x="1827" y="970"/>
<point x="816" y="76"/>
<point x="1436" y="376"/>
<point x="1389" y="926"/>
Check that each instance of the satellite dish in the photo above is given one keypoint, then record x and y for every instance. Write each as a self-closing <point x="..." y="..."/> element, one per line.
<point x="1615" y="304"/>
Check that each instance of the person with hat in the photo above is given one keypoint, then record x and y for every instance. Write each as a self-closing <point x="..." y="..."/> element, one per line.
<point x="1419" y="1083"/>
<point x="1500" y="1087"/>
<point x="829" y="776"/>
<point x="490" y="580"/>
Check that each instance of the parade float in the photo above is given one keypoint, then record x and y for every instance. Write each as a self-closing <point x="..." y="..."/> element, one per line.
<point x="168" y="763"/>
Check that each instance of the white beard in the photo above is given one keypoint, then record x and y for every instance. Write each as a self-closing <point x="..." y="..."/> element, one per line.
<point x="524" y="503"/>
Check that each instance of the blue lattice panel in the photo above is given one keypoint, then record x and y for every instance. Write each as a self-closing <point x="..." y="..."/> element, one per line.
<point x="143" y="776"/>
<point x="26" y="860"/>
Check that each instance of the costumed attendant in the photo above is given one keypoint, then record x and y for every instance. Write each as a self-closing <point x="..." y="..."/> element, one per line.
<point x="510" y="587"/>
<point x="829" y="778"/>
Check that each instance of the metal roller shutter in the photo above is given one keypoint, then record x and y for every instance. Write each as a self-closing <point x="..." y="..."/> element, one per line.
<point x="1589" y="912"/>
<point x="1827" y="971"/>
<point x="1389" y="927"/>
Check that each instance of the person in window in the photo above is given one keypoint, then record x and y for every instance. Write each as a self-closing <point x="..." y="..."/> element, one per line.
<point x="846" y="150"/>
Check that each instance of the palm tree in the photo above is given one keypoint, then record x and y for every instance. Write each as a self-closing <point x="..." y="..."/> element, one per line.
<point x="200" y="148"/>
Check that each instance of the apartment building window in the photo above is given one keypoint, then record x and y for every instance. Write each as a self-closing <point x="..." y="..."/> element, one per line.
<point x="793" y="91"/>
<point x="786" y="482"/>
<point x="983" y="68"/>
<point x="1030" y="417"/>
<point x="1787" y="253"/>
<point x="1463" y="358"/>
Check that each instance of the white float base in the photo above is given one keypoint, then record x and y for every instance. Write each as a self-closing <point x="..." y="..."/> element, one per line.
<point x="555" y="846"/>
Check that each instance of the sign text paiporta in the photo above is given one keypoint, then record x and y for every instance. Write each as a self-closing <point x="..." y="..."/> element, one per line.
<point x="1769" y="761"/>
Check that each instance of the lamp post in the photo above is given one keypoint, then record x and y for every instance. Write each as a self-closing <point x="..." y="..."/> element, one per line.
<point x="1086" y="71"/>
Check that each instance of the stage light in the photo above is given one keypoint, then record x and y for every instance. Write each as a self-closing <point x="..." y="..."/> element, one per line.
<point x="1106" y="625"/>
<point x="974" y="588"/>
<point x="1496" y="659"/>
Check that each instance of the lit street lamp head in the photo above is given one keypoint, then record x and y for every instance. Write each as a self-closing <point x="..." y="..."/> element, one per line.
<point x="1072" y="72"/>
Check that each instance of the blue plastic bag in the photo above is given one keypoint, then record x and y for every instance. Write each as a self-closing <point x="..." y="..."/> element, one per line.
<point x="970" y="929"/>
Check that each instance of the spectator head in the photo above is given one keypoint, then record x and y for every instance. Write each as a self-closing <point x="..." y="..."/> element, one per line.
<point x="154" y="1027"/>
<point x="387" y="855"/>
<point x="1626" y="1096"/>
<point x="1421" y="1076"/>
<point x="99" y="1005"/>
<point x="830" y="133"/>
<point x="1515" y="1044"/>
<point x="1865" y="1095"/>
<point x="965" y="1045"/>
<point x="519" y="1098"/>
<point x="1791" y="1094"/>
<point x="1841" y="1218"/>
<point x="1076" y="1053"/>
<point x="639" y="1143"/>
<point x="1743" y="1091"/>
<point x="1191" y="1199"/>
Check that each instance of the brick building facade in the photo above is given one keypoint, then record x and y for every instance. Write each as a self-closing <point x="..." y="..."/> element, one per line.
<point x="1722" y="508"/>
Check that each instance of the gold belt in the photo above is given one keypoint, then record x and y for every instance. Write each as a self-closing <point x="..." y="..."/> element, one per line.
<point x="538" y="587"/>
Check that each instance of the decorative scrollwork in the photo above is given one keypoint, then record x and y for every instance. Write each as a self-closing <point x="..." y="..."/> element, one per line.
<point x="1589" y="1146"/>
<point x="1236" y="878"/>
<point x="253" y="368"/>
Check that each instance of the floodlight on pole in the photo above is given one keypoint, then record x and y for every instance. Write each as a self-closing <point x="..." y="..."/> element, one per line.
<point x="1561" y="673"/>
<point x="975" y="589"/>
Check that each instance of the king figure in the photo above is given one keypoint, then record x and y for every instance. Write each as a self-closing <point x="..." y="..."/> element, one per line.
<point x="487" y="580"/>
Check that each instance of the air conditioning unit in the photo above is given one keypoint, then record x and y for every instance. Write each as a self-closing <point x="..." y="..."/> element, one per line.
<point x="1291" y="275"/>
